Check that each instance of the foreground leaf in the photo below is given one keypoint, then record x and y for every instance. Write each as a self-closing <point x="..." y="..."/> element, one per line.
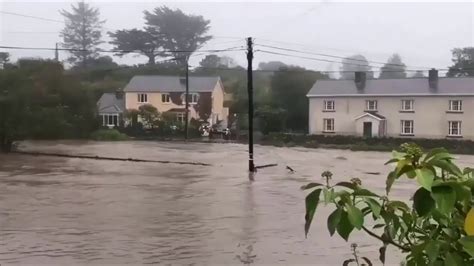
<point x="445" y="198"/>
<point x="311" y="185"/>
<point x="382" y="252"/>
<point x="422" y="202"/>
<point x="432" y="250"/>
<point x="344" y="228"/>
<point x="355" y="216"/>
<point x="468" y="244"/>
<point x="390" y="180"/>
<point x="333" y="220"/>
<point x="425" y="178"/>
<point x="312" y="201"/>
<point x="374" y="206"/>
<point x="453" y="259"/>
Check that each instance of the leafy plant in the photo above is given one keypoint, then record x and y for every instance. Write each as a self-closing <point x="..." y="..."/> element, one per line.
<point x="438" y="229"/>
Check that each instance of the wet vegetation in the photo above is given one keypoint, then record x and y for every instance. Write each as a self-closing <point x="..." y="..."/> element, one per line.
<point x="436" y="229"/>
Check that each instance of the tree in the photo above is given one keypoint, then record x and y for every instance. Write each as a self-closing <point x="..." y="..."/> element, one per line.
<point x="82" y="33"/>
<point x="463" y="59"/>
<point x="394" y="68"/>
<point x="271" y="65"/>
<point x="4" y="58"/>
<point x="38" y="100"/>
<point x="99" y="63"/>
<point x="149" y="115"/>
<point x="133" y="40"/>
<point x="355" y="63"/>
<point x="215" y="61"/>
<point x="418" y="74"/>
<point x="271" y="119"/>
<point x="289" y="87"/>
<point x="179" y="32"/>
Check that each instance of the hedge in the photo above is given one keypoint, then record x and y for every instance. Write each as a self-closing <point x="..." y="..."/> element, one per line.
<point x="361" y="143"/>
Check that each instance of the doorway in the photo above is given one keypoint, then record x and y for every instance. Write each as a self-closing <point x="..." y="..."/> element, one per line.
<point x="367" y="129"/>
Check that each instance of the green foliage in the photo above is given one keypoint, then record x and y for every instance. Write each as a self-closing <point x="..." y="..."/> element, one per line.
<point x="137" y="40"/>
<point x="367" y="144"/>
<point x="289" y="87"/>
<point x="177" y="30"/>
<point x="271" y="119"/>
<point x="148" y="115"/>
<point x="433" y="231"/>
<point x="4" y="58"/>
<point x="39" y="101"/>
<point x="108" y="135"/>
<point x="394" y="68"/>
<point x="463" y="59"/>
<point x="82" y="33"/>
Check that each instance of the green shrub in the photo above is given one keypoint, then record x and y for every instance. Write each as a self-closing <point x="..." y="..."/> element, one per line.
<point x="437" y="229"/>
<point x="108" y="134"/>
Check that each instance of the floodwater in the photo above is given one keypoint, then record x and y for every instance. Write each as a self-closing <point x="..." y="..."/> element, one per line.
<point x="80" y="211"/>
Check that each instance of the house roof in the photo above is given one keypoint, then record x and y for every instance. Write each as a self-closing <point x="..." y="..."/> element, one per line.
<point x="109" y="103"/>
<point x="372" y="114"/>
<point x="393" y="87"/>
<point x="170" y="84"/>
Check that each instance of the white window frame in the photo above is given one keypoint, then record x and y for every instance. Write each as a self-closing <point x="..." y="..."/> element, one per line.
<point x="452" y="131"/>
<point x="328" y="125"/>
<point x="165" y="98"/>
<point x="459" y="105"/>
<point x="411" y="105"/>
<point x="329" y="105"/>
<point x="106" y="118"/>
<point x="142" y="98"/>
<point x="410" y="126"/>
<point x="180" y="117"/>
<point x="193" y="98"/>
<point x="368" y="105"/>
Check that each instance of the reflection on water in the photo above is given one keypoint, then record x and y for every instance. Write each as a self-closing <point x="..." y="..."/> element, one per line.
<point x="77" y="211"/>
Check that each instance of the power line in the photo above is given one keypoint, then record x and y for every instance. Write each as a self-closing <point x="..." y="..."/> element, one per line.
<point x="305" y="70"/>
<point x="33" y="17"/>
<point x="335" y="56"/>
<point x="237" y="48"/>
<point x="314" y="59"/>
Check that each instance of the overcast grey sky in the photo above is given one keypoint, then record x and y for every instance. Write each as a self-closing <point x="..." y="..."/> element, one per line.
<point x="422" y="33"/>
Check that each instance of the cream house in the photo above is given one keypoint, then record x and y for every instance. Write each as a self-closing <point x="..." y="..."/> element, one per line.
<point x="414" y="107"/>
<point x="167" y="94"/>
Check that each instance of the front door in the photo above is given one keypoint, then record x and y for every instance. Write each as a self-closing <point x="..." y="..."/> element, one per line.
<point x="368" y="129"/>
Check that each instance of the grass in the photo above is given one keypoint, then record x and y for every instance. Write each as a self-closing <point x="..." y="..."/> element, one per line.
<point x="108" y="135"/>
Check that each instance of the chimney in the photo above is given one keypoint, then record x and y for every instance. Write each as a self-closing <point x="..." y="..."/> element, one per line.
<point x="360" y="79"/>
<point x="433" y="78"/>
<point x="119" y="93"/>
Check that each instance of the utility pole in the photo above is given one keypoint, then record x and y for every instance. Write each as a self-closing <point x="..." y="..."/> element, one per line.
<point x="56" y="53"/>
<point x="186" y="96"/>
<point x="250" y="96"/>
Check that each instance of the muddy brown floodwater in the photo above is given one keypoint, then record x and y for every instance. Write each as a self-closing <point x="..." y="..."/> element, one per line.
<point x="80" y="211"/>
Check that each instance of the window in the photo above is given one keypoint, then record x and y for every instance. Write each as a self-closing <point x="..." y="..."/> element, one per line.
<point x="110" y="120"/>
<point x="328" y="125"/>
<point x="455" y="105"/>
<point x="454" y="128"/>
<point x="407" y="105"/>
<point x="180" y="117"/>
<point x="142" y="98"/>
<point x="407" y="127"/>
<point x="371" y="105"/>
<point x="329" y="105"/>
<point x="165" y="98"/>
<point x="193" y="98"/>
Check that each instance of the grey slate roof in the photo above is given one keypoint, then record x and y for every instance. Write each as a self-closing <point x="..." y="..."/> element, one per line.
<point x="393" y="87"/>
<point x="170" y="84"/>
<point x="108" y="103"/>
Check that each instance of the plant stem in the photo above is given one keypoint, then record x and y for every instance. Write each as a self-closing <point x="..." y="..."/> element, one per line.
<point x="389" y="241"/>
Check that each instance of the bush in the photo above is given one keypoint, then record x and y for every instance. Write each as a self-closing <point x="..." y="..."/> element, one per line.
<point x="437" y="229"/>
<point x="108" y="134"/>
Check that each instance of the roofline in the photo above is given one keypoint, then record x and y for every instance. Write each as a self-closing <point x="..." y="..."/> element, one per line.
<point x="390" y="95"/>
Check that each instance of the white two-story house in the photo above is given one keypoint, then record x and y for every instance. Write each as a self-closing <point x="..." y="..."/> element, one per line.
<point x="414" y="107"/>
